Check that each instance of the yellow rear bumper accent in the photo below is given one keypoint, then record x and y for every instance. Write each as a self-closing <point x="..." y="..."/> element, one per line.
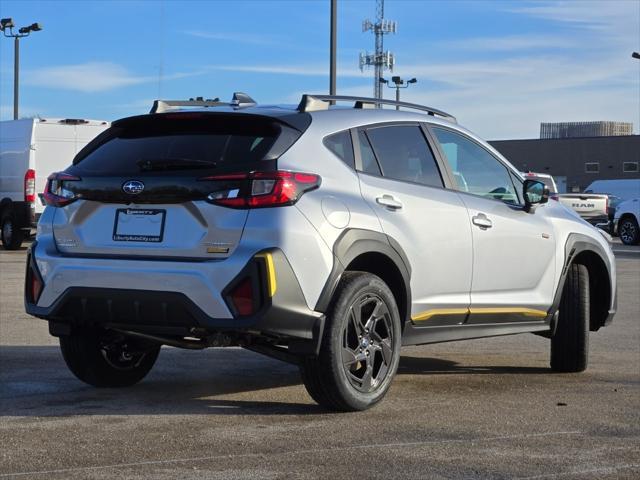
<point x="272" y="285"/>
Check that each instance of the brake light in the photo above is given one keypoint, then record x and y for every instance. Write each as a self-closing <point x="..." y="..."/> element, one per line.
<point x="30" y="186"/>
<point x="261" y="189"/>
<point x="55" y="193"/>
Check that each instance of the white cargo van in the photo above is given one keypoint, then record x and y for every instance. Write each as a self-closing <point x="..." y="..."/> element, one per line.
<point x="30" y="150"/>
<point x="624" y="189"/>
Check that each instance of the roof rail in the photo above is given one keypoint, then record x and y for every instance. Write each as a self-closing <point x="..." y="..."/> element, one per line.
<point x="239" y="100"/>
<point x="312" y="103"/>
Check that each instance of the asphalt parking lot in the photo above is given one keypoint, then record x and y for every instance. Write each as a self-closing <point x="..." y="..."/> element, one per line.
<point x="478" y="409"/>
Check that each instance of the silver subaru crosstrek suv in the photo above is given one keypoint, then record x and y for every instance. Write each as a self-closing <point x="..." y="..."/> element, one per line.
<point x="320" y="235"/>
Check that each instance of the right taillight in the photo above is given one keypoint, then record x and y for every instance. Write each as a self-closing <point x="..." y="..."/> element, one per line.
<point x="56" y="193"/>
<point x="260" y="189"/>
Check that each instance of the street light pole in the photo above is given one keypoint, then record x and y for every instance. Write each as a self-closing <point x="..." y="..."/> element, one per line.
<point x="16" y="69"/>
<point x="333" y="47"/>
<point x="398" y="84"/>
<point x="7" y="24"/>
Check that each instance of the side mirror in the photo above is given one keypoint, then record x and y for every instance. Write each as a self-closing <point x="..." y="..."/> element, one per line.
<point x="534" y="193"/>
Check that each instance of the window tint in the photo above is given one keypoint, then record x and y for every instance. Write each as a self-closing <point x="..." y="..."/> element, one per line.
<point x="340" y="144"/>
<point x="475" y="170"/>
<point x="404" y="154"/>
<point x="369" y="163"/>
<point x="166" y="144"/>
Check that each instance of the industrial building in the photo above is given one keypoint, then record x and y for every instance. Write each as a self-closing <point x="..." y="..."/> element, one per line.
<point x="585" y="129"/>
<point x="575" y="162"/>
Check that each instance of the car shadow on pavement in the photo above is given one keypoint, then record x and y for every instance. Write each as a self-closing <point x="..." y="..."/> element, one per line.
<point x="437" y="366"/>
<point x="35" y="382"/>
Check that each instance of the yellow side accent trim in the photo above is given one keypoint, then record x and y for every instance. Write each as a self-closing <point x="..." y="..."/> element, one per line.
<point x="272" y="285"/>
<point x="421" y="317"/>
<point x="528" y="312"/>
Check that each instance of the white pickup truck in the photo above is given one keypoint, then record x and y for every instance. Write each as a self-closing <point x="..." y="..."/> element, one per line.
<point x="592" y="207"/>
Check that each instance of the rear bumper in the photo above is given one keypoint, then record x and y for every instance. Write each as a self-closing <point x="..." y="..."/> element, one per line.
<point x="148" y="309"/>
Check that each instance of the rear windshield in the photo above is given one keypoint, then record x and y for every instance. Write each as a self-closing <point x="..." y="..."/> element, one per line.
<point x="179" y="142"/>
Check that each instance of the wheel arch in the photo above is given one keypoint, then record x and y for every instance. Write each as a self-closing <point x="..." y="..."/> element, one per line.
<point x="583" y="250"/>
<point x="372" y="252"/>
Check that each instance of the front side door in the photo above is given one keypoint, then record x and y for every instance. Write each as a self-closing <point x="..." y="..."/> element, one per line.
<point x="513" y="250"/>
<point x="401" y="181"/>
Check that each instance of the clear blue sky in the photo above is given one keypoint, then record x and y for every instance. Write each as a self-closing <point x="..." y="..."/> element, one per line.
<point x="501" y="67"/>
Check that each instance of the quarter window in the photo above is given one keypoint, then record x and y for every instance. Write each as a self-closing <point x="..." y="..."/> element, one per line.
<point x="403" y="154"/>
<point x="630" y="167"/>
<point x="340" y="144"/>
<point x="475" y="170"/>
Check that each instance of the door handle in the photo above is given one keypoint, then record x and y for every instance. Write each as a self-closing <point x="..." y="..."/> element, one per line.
<point x="389" y="202"/>
<point x="482" y="221"/>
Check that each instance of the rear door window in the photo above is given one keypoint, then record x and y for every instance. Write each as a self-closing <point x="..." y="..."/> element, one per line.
<point x="403" y="154"/>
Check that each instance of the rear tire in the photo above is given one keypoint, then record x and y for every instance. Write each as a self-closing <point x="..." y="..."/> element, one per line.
<point x="107" y="359"/>
<point x="570" y="343"/>
<point x="12" y="237"/>
<point x="628" y="231"/>
<point x="360" y="348"/>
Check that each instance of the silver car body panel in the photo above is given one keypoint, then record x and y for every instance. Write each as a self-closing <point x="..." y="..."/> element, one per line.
<point x="455" y="265"/>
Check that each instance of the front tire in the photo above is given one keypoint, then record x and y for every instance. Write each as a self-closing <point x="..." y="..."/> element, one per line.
<point x="107" y="359"/>
<point x="360" y="348"/>
<point x="629" y="232"/>
<point x="12" y="237"/>
<point x="570" y="343"/>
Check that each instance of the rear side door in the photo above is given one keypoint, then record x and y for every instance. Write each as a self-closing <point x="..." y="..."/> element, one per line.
<point x="513" y="250"/>
<point x="402" y="182"/>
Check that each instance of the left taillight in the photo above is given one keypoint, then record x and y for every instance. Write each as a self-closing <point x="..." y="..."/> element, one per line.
<point x="55" y="193"/>
<point x="30" y="186"/>
<point x="260" y="189"/>
<point x="33" y="282"/>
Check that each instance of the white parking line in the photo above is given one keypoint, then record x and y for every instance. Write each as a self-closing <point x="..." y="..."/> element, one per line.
<point x="289" y="452"/>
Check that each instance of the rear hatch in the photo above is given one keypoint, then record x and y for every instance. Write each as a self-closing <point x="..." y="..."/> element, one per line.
<point x="144" y="187"/>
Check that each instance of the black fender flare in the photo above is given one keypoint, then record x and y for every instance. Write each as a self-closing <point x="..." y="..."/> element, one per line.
<point x="351" y="244"/>
<point x="576" y="244"/>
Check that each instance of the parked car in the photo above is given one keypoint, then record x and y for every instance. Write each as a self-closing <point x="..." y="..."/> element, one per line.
<point x="30" y="149"/>
<point x="624" y="189"/>
<point x="625" y="222"/>
<point x="317" y="235"/>
<point x="617" y="192"/>
<point x="594" y="208"/>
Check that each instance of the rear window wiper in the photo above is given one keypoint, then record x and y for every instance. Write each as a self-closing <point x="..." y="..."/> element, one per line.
<point x="149" y="164"/>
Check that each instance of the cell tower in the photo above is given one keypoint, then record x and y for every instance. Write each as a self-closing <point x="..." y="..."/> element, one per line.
<point x="381" y="60"/>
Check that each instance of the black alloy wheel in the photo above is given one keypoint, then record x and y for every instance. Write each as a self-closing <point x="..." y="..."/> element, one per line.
<point x="367" y="343"/>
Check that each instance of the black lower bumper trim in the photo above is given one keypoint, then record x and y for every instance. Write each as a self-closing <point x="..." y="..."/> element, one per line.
<point x="286" y="315"/>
